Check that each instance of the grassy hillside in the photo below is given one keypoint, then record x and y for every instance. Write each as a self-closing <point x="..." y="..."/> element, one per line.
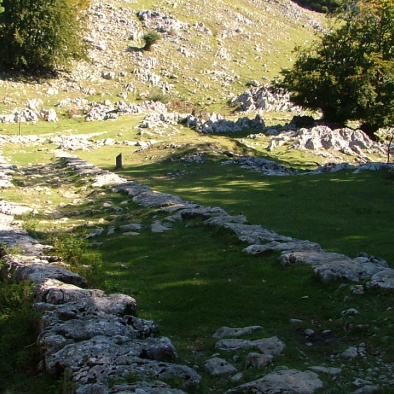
<point x="208" y="52"/>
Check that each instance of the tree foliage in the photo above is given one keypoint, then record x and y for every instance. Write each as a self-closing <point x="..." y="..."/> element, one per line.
<point x="349" y="73"/>
<point x="320" y="5"/>
<point x="150" y="38"/>
<point x="40" y="34"/>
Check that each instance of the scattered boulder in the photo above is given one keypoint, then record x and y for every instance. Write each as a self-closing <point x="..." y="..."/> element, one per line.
<point x="228" y="332"/>
<point x="264" y="98"/>
<point x="288" y="380"/>
<point x="258" y="360"/>
<point x="383" y="279"/>
<point x="271" y="345"/>
<point x="217" y="366"/>
<point x="218" y="124"/>
<point x="258" y="164"/>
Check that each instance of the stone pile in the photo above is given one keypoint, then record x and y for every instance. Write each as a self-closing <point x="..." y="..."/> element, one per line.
<point x="29" y="115"/>
<point x="258" y="164"/>
<point x="216" y="123"/>
<point x="345" y="140"/>
<point x="165" y="24"/>
<point x="107" y="110"/>
<point x="263" y="98"/>
<point x="331" y="168"/>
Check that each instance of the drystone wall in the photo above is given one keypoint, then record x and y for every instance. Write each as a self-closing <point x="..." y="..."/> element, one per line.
<point x="99" y="339"/>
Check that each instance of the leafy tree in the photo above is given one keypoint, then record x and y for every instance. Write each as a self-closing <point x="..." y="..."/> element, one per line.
<point x="320" y="5"/>
<point x="349" y="74"/>
<point x="40" y="34"/>
<point x="150" y="38"/>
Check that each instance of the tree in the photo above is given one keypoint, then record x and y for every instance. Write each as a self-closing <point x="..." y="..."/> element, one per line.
<point x="40" y="34"/>
<point x="349" y="74"/>
<point x="150" y="38"/>
<point x="320" y="5"/>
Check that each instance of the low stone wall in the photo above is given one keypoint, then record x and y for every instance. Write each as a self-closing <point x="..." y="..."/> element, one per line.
<point x="96" y="337"/>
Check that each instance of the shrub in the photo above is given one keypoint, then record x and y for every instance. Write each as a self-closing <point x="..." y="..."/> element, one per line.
<point x="150" y="38"/>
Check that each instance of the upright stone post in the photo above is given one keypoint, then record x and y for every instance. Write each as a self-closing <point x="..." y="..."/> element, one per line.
<point x="119" y="161"/>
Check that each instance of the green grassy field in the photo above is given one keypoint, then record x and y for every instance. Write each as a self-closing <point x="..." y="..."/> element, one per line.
<point x="194" y="279"/>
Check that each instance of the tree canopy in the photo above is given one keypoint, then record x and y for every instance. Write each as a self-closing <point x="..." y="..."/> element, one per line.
<point x="349" y="73"/>
<point x="40" y="34"/>
<point x="320" y="5"/>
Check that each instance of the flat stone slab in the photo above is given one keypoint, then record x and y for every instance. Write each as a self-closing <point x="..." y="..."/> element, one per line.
<point x="294" y="245"/>
<point x="313" y="258"/>
<point x="348" y="270"/>
<point x="271" y="345"/>
<point x="286" y="381"/>
<point x="152" y="199"/>
<point x="217" y="366"/>
<point x="383" y="279"/>
<point x="55" y="292"/>
<point x="228" y="332"/>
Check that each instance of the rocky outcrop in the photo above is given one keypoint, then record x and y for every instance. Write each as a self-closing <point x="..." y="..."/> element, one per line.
<point x="264" y="99"/>
<point x="258" y="164"/>
<point x="109" y="111"/>
<point x="29" y="115"/>
<point x="218" y="124"/>
<point x="324" y="139"/>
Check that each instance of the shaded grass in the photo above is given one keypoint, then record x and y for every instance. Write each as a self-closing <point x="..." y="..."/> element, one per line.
<point x="344" y="212"/>
<point x="194" y="279"/>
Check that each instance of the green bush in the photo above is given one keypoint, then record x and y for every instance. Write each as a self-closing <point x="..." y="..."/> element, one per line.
<point x="320" y="5"/>
<point x="150" y="38"/>
<point x="76" y="251"/>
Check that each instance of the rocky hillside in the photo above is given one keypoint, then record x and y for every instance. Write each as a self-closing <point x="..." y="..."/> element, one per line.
<point x="208" y="53"/>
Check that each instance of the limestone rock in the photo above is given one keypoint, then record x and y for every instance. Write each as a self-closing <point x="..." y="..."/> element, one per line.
<point x="54" y="291"/>
<point x="313" y="258"/>
<point x="228" y="332"/>
<point x="257" y="360"/>
<point x="158" y="227"/>
<point x="271" y="345"/>
<point x="153" y="199"/>
<point x="328" y="370"/>
<point x="155" y="387"/>
<point x="383" y="279"/>
<point x="286" y="381"/>
<point x="38" y="272"/>
<point x="294" y="245"/>
<point x="254" y="233"/>
<point x="258" y="164"/>
<point x="217" y="366"/>
<point x="348" y="270"/>
<point x="263" y="98"/>
<point x="218" y="124"/>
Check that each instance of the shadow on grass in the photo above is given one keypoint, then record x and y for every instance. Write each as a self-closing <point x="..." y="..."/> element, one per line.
<point x="344" y="212"/>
